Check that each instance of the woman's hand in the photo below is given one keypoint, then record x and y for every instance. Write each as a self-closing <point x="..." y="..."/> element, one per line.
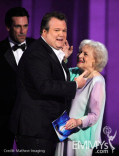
<point x="68" y="50"/>
<point x="72" y="123"/>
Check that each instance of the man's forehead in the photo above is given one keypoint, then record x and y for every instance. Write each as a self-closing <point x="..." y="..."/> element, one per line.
<point x="20" y="19"/>
<point x="54" y="22"/>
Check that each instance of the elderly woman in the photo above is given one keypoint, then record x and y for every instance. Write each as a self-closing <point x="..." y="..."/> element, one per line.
<point x="86" y="113"/>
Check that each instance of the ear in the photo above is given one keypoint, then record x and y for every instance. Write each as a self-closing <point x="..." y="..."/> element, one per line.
<point x="93" y="63"/>
<point x="8" y="28"/>
<point x="44" y="31"/>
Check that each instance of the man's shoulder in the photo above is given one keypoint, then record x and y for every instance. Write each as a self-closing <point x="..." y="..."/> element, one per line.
<point x="38" y="44"/>
<point x="5" y="41"/>
<point x="4" y="45"/>
<point x="33" y="46"/>
<point x="29" y="40"/>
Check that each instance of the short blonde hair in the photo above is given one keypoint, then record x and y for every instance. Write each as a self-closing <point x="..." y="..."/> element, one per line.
<point x="99" y="52"/>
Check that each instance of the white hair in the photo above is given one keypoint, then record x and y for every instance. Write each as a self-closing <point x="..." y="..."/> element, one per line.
<point x="99" y="52"/>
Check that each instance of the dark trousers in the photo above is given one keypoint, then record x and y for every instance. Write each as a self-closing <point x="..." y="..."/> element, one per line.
<point x="31" y="146"/>
<point x="6" y="143"/>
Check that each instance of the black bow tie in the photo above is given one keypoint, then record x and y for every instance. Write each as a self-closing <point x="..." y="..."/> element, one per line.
<point x="15" y="47"/>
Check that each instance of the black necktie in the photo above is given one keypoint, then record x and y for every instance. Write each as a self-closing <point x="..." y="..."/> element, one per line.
<point x="66" y="70"/>
<point x="15" y="47"/>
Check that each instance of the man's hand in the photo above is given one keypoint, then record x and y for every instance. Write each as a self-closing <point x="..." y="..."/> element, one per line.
<point x="80" y="80"/>
<point x="67" y="50"/>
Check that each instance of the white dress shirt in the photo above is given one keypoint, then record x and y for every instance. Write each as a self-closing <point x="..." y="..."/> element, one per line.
<point x="18" y="53"/>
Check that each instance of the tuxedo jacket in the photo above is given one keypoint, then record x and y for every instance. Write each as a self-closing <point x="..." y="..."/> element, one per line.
<point x="8" y="75"/>
<point x="42" y="92"/>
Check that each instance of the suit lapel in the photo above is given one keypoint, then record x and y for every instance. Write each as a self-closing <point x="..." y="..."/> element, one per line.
<point x="53" y="55"/>
<point x="10" y="59"/>
<point x="9" y="56"/>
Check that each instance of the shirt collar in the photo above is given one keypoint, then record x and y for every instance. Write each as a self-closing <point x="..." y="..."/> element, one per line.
<point x="12" y="43"/>
<point x="59" y="53"/>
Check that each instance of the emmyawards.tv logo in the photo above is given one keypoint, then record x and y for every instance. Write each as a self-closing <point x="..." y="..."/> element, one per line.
<point x="104" y="146"/>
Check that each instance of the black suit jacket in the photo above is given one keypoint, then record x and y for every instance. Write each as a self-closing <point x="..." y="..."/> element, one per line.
<point x="8" y="76"/>
<point x="42" y="92"/>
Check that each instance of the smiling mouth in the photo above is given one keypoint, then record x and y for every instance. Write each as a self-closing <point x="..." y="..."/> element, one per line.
<point x="59" y="39"/>
<point x="80" y="61"/>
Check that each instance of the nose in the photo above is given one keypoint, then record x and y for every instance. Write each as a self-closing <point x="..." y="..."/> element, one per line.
<point x="80" y="55"/>
<point x="22" y="30"/>
<point x="61" y="33"/>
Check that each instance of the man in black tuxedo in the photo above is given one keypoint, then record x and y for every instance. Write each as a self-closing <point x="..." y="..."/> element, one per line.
<point x="16" y="21"/>
<point x="44" y="88"/>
